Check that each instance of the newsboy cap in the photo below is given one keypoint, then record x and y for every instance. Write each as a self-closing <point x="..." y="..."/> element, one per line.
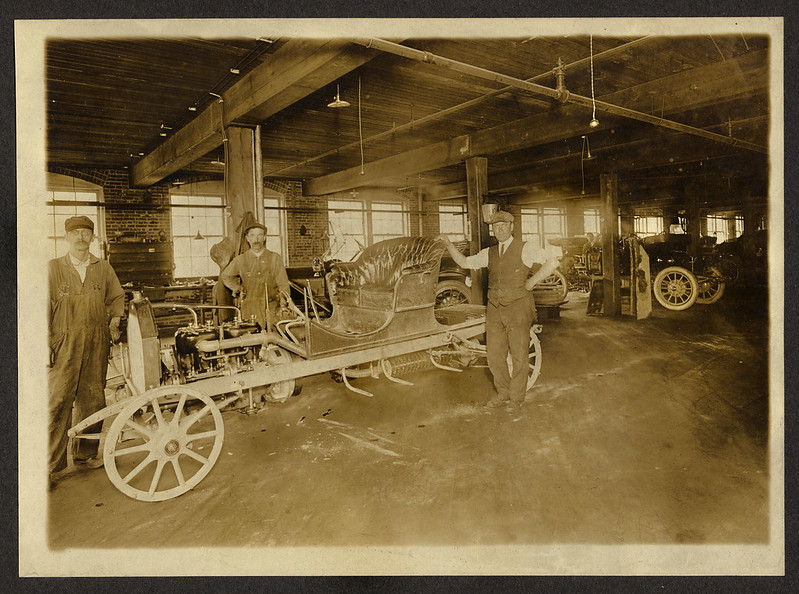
<point x="80" y="222"/>
<point x="254" y="226"/>
<point x="501" y="216"/>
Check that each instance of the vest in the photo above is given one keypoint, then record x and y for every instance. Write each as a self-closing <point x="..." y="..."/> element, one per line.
<point x="506" y="275"/>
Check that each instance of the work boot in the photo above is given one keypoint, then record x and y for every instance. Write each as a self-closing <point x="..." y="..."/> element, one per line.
<point x="496" y="401"/>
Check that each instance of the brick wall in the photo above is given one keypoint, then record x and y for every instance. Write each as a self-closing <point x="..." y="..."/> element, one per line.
<point x="128" y="210"/>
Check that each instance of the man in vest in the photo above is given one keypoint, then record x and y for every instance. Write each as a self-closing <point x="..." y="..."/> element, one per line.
<point x="86" y="303"/>
<point x="510" y="312"/>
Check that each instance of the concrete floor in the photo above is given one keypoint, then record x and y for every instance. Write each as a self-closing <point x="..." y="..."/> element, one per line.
<point x="652" y="432"/>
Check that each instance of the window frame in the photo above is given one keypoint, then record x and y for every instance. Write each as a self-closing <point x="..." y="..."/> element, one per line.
<point x="193" y="192"/>
<point x="63" y="185"/>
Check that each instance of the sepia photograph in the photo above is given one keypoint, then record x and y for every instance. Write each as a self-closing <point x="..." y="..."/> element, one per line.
<point x="400" y="297"/>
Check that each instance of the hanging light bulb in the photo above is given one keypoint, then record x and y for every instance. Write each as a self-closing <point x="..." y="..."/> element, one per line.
<point x="594" y="122"/>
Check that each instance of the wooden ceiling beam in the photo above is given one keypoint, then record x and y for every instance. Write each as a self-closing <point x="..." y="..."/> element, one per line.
<point x="671" y="150"/>
<point x="677" y="93"/>
<point x="296" y="70"/>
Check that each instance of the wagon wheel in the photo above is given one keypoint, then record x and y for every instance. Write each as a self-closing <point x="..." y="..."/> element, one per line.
<point x="281" y="391"/>
<point x="710" y="289"/>
<point x="552" y="289"/>
<point x="676" y="288"/>
<point x="534" y="360"/>
<point x="164" y="443"/>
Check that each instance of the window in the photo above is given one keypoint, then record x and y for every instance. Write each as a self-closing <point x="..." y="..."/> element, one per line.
<point x="452" y="221"/>
<point x="724" y="228"/>
<point x="388" y="221"/>
<point x="274" y="217"/>
<point x="539" y="225"/>
<point x="648" y="225"/>
<point x="197" y="224"/>
<point x="591" y="221"/>
<point x="354" y="226"/>
<point x="69" y="197"/>
<point x="347" y="227"/>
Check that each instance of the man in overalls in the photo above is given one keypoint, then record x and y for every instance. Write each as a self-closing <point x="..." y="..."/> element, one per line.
<point x="510" y="312"/>
<point x="86" y="304"/>
<point x="259" y="277"/>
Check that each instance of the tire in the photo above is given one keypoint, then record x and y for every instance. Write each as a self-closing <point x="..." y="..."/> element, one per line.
<point x="710" y="289"/>
<point x="676" y="288"/>
<point x="452" y="292"/>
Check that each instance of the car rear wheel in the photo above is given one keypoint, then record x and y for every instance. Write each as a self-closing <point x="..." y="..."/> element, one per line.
<point x="452" y="292"/>
<point x="710" y="289"/>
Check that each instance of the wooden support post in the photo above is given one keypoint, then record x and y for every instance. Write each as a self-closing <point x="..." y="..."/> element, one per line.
<point x="476" y="189"/>
<point x="693" y="194"/>
<point x="240" y="171"/>
<point x="748" y="238"/>
<point x="627" y="220"/>
<point x="609" y="228"/>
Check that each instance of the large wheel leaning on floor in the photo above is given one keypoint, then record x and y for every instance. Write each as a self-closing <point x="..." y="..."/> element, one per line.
<point x="552" y="289"/>
<point x="452" y="292"/>
<point x="164" y="443"/>
<point x="676" y="288"/>
<point x="534" y="360"/>
<point x="710" y="289"/>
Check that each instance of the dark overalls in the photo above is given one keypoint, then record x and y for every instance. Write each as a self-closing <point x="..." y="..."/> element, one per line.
<point x="79" y="347"/>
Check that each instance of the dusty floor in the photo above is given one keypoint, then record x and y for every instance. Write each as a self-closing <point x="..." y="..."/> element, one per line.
<point x="652" y="432"/>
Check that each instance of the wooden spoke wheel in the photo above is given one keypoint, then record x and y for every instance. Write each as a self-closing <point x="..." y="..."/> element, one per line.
<point x="676" y="288"/>
<point x="452" y="292"/>
<point x="534" y="360"/>
<point x="164" y="443"/>
<point x="710" y="289"/>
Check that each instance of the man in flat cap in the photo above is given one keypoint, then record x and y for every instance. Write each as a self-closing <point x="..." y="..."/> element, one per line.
<point x="510" y="312"/>
<point x="86" y="304"/>
<point x="259" y="277"/>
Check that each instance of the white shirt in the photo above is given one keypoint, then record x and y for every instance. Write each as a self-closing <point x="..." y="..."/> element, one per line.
<point x="530" y="255"/>
<point x="80" y="266"/>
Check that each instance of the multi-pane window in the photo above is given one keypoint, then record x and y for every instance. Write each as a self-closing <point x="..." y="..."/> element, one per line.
<point x="388" y="220"/>
<point x="539" y="225"/>
<point x="452" y="221"/>
<point x="354" y="225"/>
<point x="273" y="221"/>
<point x="724" y="228"/>
<point x="591" y="221"/>
<point x="648" y="225"/>
<point x="63" y="204"/>
<point x="197" y="224"/>
<point x="347" y="228"/>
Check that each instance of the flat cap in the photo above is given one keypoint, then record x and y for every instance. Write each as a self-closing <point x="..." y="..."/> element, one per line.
<point x="254" y="226"/>
<point x="501" y="216"/>
<point x="80" y="222"/>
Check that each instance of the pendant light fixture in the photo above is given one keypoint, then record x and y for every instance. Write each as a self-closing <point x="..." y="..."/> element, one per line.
<point x="338" y="102"/>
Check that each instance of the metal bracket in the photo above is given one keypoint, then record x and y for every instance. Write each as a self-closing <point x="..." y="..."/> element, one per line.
<point x="343" y="373"/>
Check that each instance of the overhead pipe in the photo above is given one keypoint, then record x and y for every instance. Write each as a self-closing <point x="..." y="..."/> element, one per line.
<point x="558" y="94"/>
<point x="449" y="110"/>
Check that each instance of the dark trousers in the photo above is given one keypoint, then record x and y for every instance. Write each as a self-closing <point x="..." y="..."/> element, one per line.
<point x="76" y="377"/>
<point x="508" y="331"/>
